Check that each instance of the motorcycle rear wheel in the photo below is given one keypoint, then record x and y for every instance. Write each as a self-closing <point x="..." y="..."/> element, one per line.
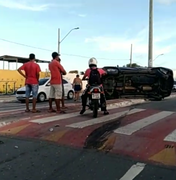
<point x="95" y="109"/>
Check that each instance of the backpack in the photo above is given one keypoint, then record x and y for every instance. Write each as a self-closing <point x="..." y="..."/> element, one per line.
<point x="94" y="78"/>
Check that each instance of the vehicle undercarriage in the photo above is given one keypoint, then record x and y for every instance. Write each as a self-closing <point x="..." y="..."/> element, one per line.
<point x="151" y="83"/>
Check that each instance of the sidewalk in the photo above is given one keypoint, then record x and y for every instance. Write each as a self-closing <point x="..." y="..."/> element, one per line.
<point x="8" y="98"/>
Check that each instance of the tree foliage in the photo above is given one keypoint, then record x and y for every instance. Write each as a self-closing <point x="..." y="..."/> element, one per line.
<point x="133" y="65"/>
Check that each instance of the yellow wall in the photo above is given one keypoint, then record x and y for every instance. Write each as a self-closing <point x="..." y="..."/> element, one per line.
<point x="13" y="80"/>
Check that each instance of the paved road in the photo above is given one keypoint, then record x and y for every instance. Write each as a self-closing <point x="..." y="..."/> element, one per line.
<point x="18" y="105"/>
<point x="38" y="160"/>
<point x="165" y="105"/>
<point x="137" y="149"/>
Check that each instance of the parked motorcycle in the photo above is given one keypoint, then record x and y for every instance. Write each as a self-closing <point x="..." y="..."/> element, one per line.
<point x="94" y="96"/>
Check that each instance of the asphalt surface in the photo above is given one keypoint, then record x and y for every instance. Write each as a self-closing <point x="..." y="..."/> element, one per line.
<point x="36" y="160"/>
<point x="164" y="105"/>
<point x="26" y="159"/>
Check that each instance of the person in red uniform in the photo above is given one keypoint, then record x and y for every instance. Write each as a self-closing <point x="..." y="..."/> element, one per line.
<point x="94" y="75"/>
<point x="56" y="82"/>
<point x="32" y="74"/>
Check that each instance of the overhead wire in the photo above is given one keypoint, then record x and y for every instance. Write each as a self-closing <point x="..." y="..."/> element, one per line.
<point x="81" y="56"/>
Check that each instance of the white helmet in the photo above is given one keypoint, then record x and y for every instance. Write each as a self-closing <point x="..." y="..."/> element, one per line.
<point x="92" y="61"/>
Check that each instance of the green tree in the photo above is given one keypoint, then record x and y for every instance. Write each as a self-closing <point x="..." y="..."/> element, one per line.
<point x="73" y="71"/>
<point x="133" y="65"/>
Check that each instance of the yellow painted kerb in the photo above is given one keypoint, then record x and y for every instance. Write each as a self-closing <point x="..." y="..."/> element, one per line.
<point x="14" y="130"/>
<point x="167" y="157"/>
<point x="54" y="136"/>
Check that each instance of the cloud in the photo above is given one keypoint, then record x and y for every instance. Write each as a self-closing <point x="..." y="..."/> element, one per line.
<point x="166" y="2"/>
<point x="25" y="5"/>
<point x="77" y="14"/>
<point x="22" y="5"/>
<point x="82" y="15"/>
<point x="162" y="42"/>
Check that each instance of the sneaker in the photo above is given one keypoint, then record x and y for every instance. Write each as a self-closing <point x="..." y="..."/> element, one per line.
<point x="106" y="112"/>
<point x="82" y="111"/>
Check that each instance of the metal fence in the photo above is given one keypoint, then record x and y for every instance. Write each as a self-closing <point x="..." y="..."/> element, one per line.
<point x="8" y="87"/>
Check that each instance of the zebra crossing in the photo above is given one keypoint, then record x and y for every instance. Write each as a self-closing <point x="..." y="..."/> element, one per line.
<point x="141" y="119"/>
<point x="76" y="121"/>
<point x="143" y="133"/>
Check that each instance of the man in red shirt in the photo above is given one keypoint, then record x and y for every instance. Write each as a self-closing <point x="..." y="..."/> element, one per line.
<point x="93" y="66"/>
<point x="56" y="82"/>
<point x="32" y="70"/>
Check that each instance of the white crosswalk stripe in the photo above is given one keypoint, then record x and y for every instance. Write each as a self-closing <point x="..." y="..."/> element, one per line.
<point x="135" y="126"/>
<point x="171" y="137"/>
<point x="103" y="119"/>
<point x="133" y="172"/>
<point x="64" y="116"/>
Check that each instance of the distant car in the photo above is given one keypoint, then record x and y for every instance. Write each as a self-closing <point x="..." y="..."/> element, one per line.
<point x="174" y="86"/>
<point x="44" y="89"/>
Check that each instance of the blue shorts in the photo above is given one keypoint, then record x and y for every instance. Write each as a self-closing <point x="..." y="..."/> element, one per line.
<point x="32" y="88"/>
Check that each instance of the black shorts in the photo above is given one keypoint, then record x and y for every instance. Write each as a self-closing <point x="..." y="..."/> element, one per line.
<point x="77" y="88"/>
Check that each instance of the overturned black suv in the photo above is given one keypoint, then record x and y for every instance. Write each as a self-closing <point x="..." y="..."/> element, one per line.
<point x="152" y="83"/>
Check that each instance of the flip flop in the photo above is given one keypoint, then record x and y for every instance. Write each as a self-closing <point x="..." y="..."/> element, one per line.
<point x="27" y="110"/>
<point x="64" y="107"/>
<point x="35" y="111"/>
<point x="51" y="110"/>
<point x="60" y="112"/>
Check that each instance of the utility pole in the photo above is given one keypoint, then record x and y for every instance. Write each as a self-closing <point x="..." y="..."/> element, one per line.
<point x="131" y="55"/>
<point x="150" y="43"/>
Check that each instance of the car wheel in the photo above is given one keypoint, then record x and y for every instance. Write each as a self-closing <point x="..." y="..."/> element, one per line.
<point x="22" y="101"/>
<point x="41" y="97"/>
<point x="70" y="95"/>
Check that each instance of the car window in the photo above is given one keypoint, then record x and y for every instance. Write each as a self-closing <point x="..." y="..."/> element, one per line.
<point x="64" y="81"/>
<point x="42" y="81"/>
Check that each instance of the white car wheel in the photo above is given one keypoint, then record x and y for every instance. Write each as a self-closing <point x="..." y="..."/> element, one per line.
<point x="70" y="95"/>
<point x="41" y="97"/>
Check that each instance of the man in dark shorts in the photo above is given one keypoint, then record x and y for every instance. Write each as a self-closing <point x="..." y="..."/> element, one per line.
<point x="77" y="84"/>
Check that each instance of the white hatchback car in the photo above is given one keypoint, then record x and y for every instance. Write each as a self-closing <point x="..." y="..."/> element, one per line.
<point x="44" y="89"/>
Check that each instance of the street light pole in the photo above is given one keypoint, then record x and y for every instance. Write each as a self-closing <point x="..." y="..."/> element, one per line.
<point x="158" y="56"/>
<point x="150" y="44"/>
<point x="131" y="55"/>
<point x="58" y="46"/>
<point x="59" y="40"/>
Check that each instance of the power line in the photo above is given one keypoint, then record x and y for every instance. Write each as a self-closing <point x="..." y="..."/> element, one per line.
<point x="52" y="50"/>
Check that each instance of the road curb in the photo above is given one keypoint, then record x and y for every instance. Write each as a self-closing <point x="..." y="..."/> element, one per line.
<point x="126" y="103"/>
<point x="7" y="100"/>
<point x="171" y="96"/>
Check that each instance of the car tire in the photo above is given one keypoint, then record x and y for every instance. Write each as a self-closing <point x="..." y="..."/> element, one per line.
<point x="70" y="95"/>
<point x="41" y="97"/>
<point x="22" y="101"/>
